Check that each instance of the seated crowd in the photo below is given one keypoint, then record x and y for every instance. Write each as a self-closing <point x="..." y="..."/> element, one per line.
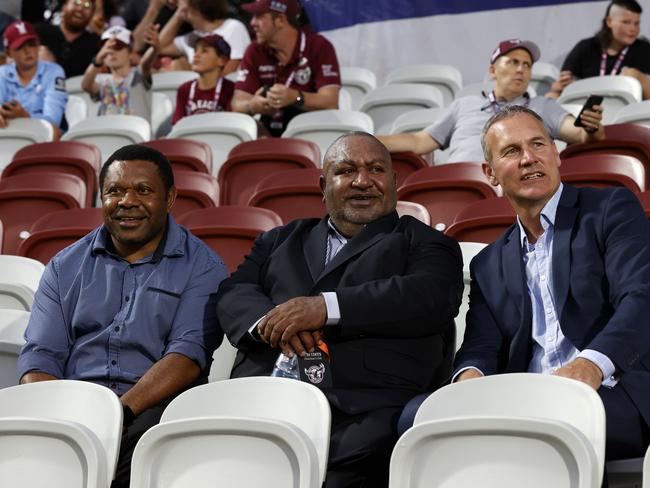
<point x="140" y="304"/>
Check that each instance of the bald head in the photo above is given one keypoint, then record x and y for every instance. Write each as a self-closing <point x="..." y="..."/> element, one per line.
<point x="339" y="148"/>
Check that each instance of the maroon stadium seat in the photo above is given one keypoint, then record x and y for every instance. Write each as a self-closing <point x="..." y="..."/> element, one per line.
<point x="644" y="198"/>
<point x="604" y="170"/>
<point x="185" y="154"/>
<point x="250" y="161"/>
<point x="406" y="163"/>
<point x="195" y="190"/>
<point x="482" y="221"/>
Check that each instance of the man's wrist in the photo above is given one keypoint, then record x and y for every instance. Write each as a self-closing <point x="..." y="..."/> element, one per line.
<point x="300" y="99"/>
<point x="96" y="63"/>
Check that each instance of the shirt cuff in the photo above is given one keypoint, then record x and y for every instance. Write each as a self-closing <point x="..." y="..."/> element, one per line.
<point x="604" y="363"/>
<point x="252" y="331"/>
<point x="332" y="305"/>
<point x="453" y="378"/>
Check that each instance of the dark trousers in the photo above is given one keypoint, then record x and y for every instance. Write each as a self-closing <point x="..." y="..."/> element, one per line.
<point x="360" y="448"/>
<point x="130" y="438"/>
<point x="628" y="434"/>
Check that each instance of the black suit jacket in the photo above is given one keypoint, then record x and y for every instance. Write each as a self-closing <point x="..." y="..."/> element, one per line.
<point x="398" y="284"/>
<point x="601" y="278"/>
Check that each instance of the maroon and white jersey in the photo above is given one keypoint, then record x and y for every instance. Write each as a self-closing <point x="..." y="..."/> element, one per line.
<point x="190" y="99"/>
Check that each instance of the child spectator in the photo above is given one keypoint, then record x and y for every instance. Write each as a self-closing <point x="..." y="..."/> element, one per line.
<point x="210" y="92"/>
<point x="125" y="89"/>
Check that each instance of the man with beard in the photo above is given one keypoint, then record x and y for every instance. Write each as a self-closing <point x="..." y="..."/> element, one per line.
<point x="70" y="44"/>
<point x="131" y="306"/>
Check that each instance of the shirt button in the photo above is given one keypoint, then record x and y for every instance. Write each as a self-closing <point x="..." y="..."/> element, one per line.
<point x="542" y="278"/>
<point x="549" y="311"/>
<point x="126" y="298"/>
<point x="113" y="362"/>
<point x="117" y="328"/>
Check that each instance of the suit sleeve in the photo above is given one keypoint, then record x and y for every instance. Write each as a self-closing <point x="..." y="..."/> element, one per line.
<point x="626" y="241"/>
<point x="241" y="300"/>
<point x="418" y="302"/>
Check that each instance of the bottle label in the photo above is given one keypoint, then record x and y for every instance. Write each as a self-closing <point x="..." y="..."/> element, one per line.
<point x="315" y="368"/>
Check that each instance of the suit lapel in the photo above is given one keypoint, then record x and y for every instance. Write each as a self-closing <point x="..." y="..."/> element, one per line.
<point x="371" y="234"/>
<point x="564" y="219"/>
<point x="315" y="247"/>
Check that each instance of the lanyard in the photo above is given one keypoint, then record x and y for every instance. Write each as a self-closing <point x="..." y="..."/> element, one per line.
<point x="217" y="94"/>
<point x="495" y="105"/>
<point x="617" y="65"/>
<point x="300" y="58"/>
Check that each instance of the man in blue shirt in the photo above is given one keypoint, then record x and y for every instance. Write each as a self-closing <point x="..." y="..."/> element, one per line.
<point x="131" y="306"/>
<point x="566" y="290"/>
<point x="29" y="87"/>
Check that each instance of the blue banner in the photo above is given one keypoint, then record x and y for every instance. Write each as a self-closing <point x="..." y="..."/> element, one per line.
<point x="334" y="14"/>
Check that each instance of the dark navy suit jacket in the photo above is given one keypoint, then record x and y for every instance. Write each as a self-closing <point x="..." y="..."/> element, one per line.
<point x="601" y="277"/>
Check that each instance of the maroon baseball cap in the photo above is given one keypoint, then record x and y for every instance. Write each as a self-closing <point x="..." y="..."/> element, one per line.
<point x="288" y="7"/>
<point x="214" y="40"/>
<point x="18" y="33"/>
<point x="505" y="47"/>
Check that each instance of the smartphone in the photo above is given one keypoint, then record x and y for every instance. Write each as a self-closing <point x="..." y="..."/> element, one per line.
<point x="265" y="90"/>
<point x="589" y="105"/>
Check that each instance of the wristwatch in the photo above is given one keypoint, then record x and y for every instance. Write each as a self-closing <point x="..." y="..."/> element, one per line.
<point x="300" y="99"/>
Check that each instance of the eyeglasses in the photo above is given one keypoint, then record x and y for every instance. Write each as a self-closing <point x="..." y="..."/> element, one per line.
<point x="84" y="4"/>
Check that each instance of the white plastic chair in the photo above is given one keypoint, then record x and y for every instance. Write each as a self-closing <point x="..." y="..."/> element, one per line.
<point x="345" y="99"/>
<point x="357" y="82"/>
<point x="413" y="209"/>
<point x="416" y="120"/>
<point x="618" y="91"/>
<point x="222" y="361"/>
<point x="168" y="82"/>
<point x="76" y="110"/>
<point x="59" y="434"/>
<point x="110" y="132"/>
<point x="324" y="126"/>
<point x="18" y="281"/>
<point x="12" y="330"/>
<point x="220" y="130"/>
<point x="448" y="79"/>
<point x="637" y="112"/>
<point x="386" y="103"/>
<point x="20" y="133"/>
<point x="469" y="250"/>
<point x="477" y="89"/>
<point x="543" y="76"/>
<point x="646" y="469"/>
<point x="161" y="109"/>
<point x="73" y="87"/>
<point x="504" y="431"/>
<point x="246" y="432"/>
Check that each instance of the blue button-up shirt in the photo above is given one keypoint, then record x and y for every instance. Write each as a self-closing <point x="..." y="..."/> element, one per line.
<point x="98" y="318"/>
<point x="551" y="350"/>
<point x="44" y="97"/>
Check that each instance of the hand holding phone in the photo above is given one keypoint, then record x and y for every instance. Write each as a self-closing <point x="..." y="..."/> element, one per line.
<point x="589" y="105"/>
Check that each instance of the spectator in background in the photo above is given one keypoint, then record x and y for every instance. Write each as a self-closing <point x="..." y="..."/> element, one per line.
<point x="459" y="129"/>
<point x="70" y="44"/>
<point x="206" y="17"/>
<point x="106" y="15"/>
<point x="139" y="14"/>
<point x="210" y="92"/>
<point x="126" y="89"/>
<point x="615" y="50"/>
<point x="286" y="71"/>
<point x="29" y="87"/>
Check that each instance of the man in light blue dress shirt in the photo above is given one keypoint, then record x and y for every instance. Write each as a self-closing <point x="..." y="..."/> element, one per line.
<point x="566" y="290"/>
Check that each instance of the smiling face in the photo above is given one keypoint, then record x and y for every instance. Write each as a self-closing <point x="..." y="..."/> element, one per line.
<point x="625" y="26"/>
<point x="359" y="183"/>
<point x="511" y="74"/>
<point x="135" y="205"/>
<point x="76" y="14"/>
<point x="523" y="160"/>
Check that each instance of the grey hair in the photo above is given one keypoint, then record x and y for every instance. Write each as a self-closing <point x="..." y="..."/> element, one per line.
<point x="507" y="113"/>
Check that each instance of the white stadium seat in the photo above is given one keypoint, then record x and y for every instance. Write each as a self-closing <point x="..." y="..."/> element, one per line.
<point x="20" y="133"/>
<point x="358" y="82"/>
<point x="12" y="331"/>
<point x="18" y="281"/>
<point x="446" y="78"/>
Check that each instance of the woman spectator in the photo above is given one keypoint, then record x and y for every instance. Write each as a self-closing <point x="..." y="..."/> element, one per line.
<point x="615" y="50"/>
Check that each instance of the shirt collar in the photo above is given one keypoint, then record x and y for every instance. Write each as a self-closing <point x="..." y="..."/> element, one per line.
<point x="13" y="73"/>
<point x="548" y="214"/>
<point x="171" y="245"/>
<point x="334" y="232"/>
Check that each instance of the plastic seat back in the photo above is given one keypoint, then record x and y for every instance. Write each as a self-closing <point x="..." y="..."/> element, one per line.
<point x="604" y="170"/>
<point x="448" y="79"/>
<point x="416" y="120"/>
<point x="220" y="130"/>
<point x="636" y="113"/>
<point x="73" y="87"/>
<point x="20" y="133"/>
<point x="386" y="103"/>
<point x="293" y="194"/>
<point x="405" y="164"/>
<point x="12" y="329"/>
<point x="469" y="250"/>
<point x="414" y="210"/>
<point x="194" y="190"/>
<point x="71" y="157"/>
<point x="19" y="281"/>
<point x="162" y="110"/>
<point x="251" y="161"/>
<point x="167" y="83"/>
<point x="446" y="189"/>
<point x="482" y="221"/>
<point x="94" y="410"/>
<point x="644" y="199"/>
<point x="646" y="469"/>
<point x="24" y="199"/>
<point x="324" y="126"/>
<point x="230" y="230"/>
<point x="76" y="110"/>
<point x="543" y="76"/>
<point x="185" y="154"/>
<point x="618" y="91"/>
<point x="357" y="82"/>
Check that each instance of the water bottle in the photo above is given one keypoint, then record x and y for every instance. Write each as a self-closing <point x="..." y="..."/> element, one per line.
<point x="286" y="367"/>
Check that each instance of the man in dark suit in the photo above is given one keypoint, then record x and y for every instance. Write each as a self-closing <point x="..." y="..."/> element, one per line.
<point x="379" y="290"/>
<point x="566" y="290"/>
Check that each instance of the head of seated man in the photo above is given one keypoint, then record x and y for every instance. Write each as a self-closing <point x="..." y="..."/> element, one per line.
<point x="358" y="182"/>
<point x="137" y="187"/>
<point x="511" y="66"/>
